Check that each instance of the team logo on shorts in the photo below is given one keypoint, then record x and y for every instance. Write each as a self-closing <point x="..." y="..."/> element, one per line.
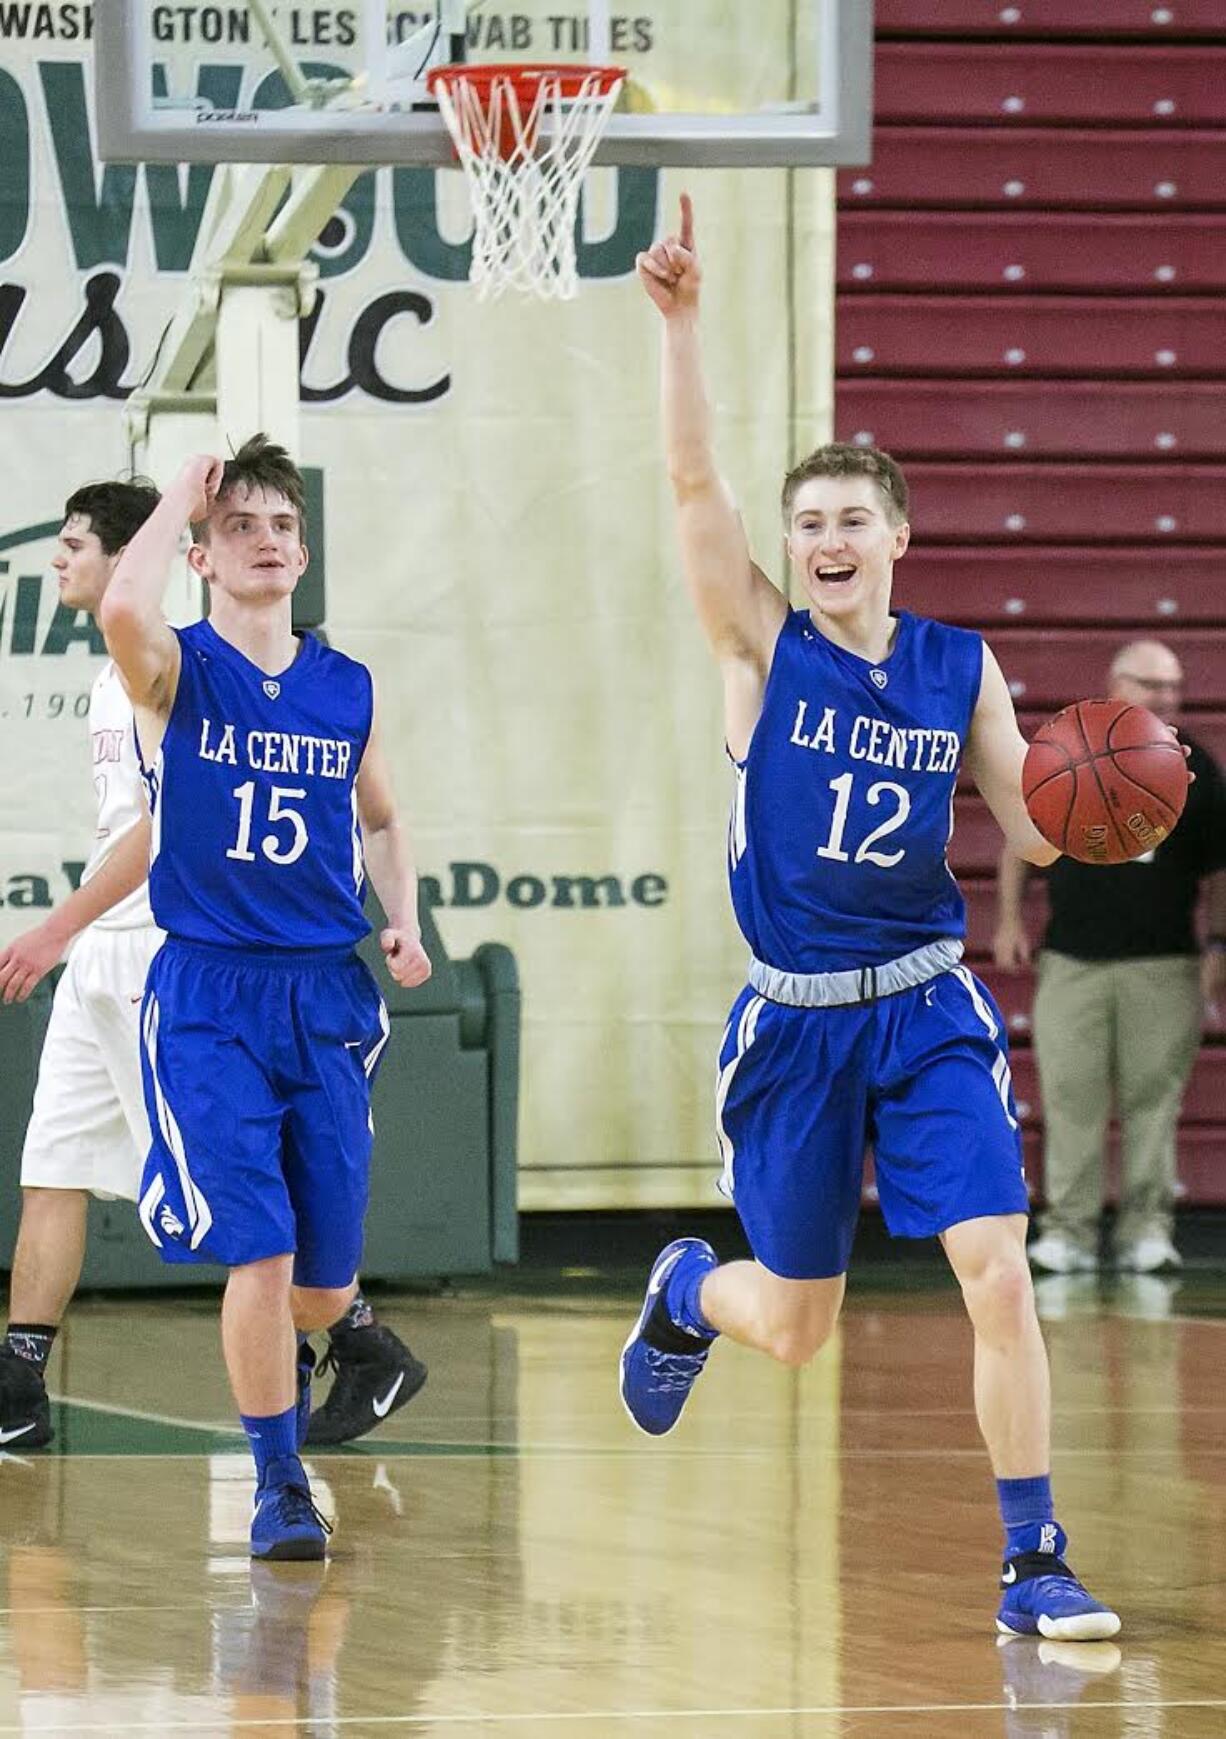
<point x="171" y="1224"/>
<point x="878" y="678"/>
<point x="272" y="689"/>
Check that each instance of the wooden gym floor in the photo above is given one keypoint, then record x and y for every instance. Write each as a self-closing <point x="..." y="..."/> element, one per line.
<point x="806" y="1556"/>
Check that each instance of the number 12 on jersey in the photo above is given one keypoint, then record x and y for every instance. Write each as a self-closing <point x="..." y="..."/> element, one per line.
<point x="883" y="791"/>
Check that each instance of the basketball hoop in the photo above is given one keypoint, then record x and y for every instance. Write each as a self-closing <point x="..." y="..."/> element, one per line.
<point x="524" y="136"/>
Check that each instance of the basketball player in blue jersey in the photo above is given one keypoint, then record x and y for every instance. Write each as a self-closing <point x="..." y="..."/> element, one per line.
<point x="88" y="1131"/>
<point x="262" y="1029"/>
<point x="846" y="725"/>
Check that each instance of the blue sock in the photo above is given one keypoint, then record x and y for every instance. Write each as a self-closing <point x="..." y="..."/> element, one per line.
<point x="272" y="1438"/>
<point x="682" y="1289"/>
<point x="1029" y="1518"/>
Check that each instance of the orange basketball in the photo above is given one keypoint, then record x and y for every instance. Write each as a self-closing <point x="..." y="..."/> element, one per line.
<point x="1104" y="781"/>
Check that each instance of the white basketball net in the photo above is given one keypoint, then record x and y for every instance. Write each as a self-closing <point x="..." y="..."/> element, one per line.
<point x="524" y="162"/>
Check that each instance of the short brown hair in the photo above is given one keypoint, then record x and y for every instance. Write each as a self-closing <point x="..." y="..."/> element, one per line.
<point x="261" y="464"/>
<point x="841" y="459"/>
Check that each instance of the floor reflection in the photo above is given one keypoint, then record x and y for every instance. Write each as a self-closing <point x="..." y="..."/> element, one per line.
<point x="811" y="1555"/>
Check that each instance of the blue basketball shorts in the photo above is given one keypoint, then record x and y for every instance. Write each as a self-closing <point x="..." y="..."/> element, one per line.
<point x="257" y="1070"/>
<point x="922" y="1078"/>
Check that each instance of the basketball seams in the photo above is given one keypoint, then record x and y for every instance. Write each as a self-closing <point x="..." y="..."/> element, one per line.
<point x="1069" y="806"/>
<point x="1125" y="844"/>
<point x="1070" y="766"/>
<point x="1154" y="796"/>
<point x="1111" y="807"/>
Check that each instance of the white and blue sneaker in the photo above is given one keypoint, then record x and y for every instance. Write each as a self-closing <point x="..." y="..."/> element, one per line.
<point x="1040" y="1596"/>
<point x="661" y="1361"/>
<point x="286" y="1526"/>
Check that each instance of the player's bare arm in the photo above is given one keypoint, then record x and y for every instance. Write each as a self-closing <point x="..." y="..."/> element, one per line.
<point x="138" y="636"/>
<point x="994" y="755"/>
<point x="389" y="863"/>
<point x="30" y="956"/>
<point x="740" y="611"/>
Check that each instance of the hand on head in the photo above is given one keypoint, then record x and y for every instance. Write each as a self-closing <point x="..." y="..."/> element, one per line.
<point x="669" y="271"/>
<point x="201" y="476"/>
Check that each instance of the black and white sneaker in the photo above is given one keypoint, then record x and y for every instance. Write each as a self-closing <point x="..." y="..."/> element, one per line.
<point x="25" y="1412"/>
<point x="375" y="1375"/>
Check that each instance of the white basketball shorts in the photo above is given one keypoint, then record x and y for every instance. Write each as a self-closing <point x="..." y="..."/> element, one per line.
<point x="88" y="1129"/>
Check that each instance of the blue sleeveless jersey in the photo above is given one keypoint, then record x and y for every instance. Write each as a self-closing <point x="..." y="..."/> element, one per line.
<point x="844" y="804"/>
<point x="256" y="841"/>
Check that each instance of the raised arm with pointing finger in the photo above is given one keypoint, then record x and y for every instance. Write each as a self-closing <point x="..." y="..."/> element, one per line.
<point x="740" y="611"/>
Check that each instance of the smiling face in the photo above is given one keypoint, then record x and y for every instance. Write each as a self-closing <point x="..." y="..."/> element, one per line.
<point x="250" y="547"/>
<point x="81" y="564"/>
<point x="843" y="542"/>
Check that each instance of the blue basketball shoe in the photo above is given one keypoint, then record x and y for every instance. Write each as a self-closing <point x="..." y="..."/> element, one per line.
<point x="661" y="1361"/>
<point x="286" y="1525"/>
<point x="1042" y="1597"/>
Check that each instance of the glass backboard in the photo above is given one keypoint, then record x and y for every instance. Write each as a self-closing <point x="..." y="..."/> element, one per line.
<point x="709" y="82"/>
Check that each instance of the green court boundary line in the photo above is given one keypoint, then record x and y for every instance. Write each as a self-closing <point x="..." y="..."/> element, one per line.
<point x="109" y="1407"/>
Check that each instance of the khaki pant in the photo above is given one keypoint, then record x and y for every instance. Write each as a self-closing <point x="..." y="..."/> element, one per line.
<point x="1122" y="1029"/>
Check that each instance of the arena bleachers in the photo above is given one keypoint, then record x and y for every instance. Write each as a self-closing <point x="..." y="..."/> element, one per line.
<point x="1121" y="19"/>
<point x="1034" y="336"/>
<point x="1053" y="584"/>
<point x="1058" y="419"/>
<point x="1170" y="252"/>
<point x="1030" y="318"/>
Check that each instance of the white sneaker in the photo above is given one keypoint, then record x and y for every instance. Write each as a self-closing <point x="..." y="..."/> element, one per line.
<point x="1058" y="1254"/>
<point x="1148" y="1255"/>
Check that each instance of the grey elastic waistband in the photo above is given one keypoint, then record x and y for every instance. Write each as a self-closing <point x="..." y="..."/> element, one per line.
<point x="863" y="984"/>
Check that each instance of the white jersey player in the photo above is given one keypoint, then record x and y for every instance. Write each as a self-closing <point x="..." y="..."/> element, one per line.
<point x="88" y="1133"/>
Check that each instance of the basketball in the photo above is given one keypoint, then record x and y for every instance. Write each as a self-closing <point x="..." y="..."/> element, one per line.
<point x="1104" y="781"/>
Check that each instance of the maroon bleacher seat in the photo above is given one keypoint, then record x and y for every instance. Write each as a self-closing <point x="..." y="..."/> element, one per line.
<point x="975" y="846"/>
<point x="1201" y="1160"/>
<point x="1048" y="335"/>
<point x="980" y="896"/>
<point x="1053" y="503"/>
<point x="1027" y="252"/>
<point x="1096" y="18"/>
<point x="1031" y="315"/>
<point x="1157" y="585"/>
<point x="1050" y="667"/>
<point x="1032" y="83"/>
<point x="1046" y="418"/>
<point x="1053" y="168"/>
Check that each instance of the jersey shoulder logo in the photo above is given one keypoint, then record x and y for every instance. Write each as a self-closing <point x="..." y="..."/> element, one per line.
<point x="272" y="689"/>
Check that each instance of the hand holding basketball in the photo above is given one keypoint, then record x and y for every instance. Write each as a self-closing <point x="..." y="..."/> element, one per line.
<point x="1105" y="781"/>
<point x="669" y="271"/>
